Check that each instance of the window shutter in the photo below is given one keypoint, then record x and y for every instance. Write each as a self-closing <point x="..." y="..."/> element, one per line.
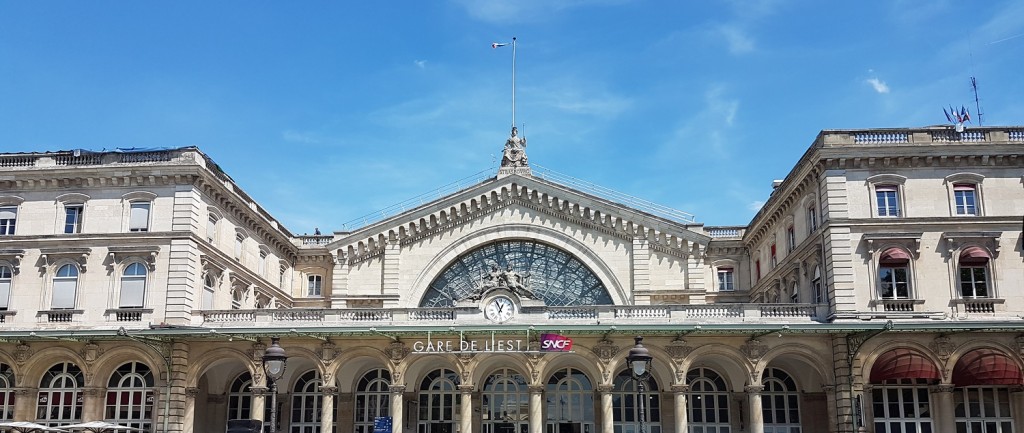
<point x="133" y="289"/>
<point x="5" y="293"/>
<point x="64" y="293"/>
<point x="207" y="299"/>
<point x="8" y="213"/>
<point x="139" y="218"/>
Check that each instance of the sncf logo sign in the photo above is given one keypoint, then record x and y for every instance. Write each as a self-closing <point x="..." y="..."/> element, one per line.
<point x="555" y="343"/>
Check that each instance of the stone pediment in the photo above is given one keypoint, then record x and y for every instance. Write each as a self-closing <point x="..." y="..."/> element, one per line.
<point x="539" y="195"/>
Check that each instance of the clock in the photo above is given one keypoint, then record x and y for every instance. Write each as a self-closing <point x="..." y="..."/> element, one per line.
<point x="499" y="309"/>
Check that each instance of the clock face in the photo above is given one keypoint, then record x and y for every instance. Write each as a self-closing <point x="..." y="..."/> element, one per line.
<point x="499" y="309"/>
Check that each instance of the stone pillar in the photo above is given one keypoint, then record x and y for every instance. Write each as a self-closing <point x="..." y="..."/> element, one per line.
<point x="867" y="405"/>
<point x="259" y="402"/>
<point x="466" y="409"/>
<point x="1017" y="405"/>
<point x="679" y="392"/>
<point x="607" y="411"/>
<point x="92" y="403"/>
<point x="943" y="417"/>
<point x="537" y="409"/>
<point x="756" y="416"/>
<point x="25" y="403"/>
<point x="189" y="418"/>
<point x="327" y="407"/>
<point x="830" y="403"/>
<point x="397" y="398"/>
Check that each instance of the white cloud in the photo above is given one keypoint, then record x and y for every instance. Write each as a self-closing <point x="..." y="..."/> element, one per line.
<point x="755" y="205"/>
<point x="300" y="137"/>
<point x="422" y="64"/>
<point x="737" y="39"/>
<point x="504" y="11"/>
<point x="878" y="85"/>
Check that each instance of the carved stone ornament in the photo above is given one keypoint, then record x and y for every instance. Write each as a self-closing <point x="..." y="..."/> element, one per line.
<point x="329" y="390"/>
<point x="258" y="350"/>
<point x="22" y="353"/>
<point x="754" y="349"/>
<point x="514" y="154"/>
<point x="91" y="351"/>
<point x="497" y="278"/>
<point x="678" y="350"/>
<point x="943" y="347"/>
<point x="1020" y="345"/>
<point x="328" y="351"/>
<point x="191" y="392"/>
<point x="605" y="350"/>
<point x="397" y="351"/>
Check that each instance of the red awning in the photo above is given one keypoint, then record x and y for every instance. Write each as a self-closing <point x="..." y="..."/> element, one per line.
<point x="903" y="364"/>
<point x="986" y="367"/>
<point x="974" y="253"/>
<point x="895" y="255"/>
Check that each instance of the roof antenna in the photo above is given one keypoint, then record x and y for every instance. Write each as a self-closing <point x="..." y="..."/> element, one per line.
<point x="977" y="103"/>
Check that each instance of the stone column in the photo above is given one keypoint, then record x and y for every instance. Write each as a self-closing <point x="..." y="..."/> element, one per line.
<point x="189" y="418"/>
<point x="327" y="407"/>
<point x="867" y="405"/>
<point x="1017" y="405"/>
<point x="25" y="403"/>
<point x="536" y="408"/>
<point x="607" y="411"/>
<point x="397" y="398"/>
<point x="92" y="404"/>
<point x="466" y="409"/>
<point x="259" y="402"/>
<point x="830" y="402"/>
<point x="679" y="392"/>
<point x="943" y="418"/>
<point x="756" y="416"/>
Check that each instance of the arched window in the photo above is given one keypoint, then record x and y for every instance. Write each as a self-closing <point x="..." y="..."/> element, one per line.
<point x="240" y="399"/>
<point x="439" y="401"/>
<point x="894" y="274"/>
<point x="307" y="403"/>
<point x="133" y="286"/>
<point x="974" y="274"/>
<point x="900" y="396"/>
<point x="6" y="392"/>
<point x="6" y="277"/>
<point x="506" y="402"/>
<point x="130" y="396"/>
<point x="626" y="409"/>
<point x="570" y="401"/>
<point x="60" y="395"/>
<point x="780" y="402"/>
<point x="65" y="287"/>
<point x="209" y="289"/>
<point x="817" y="290"/>
<point x="708" y="402"/>
<point x="372" y="399"/>
<point x="984" y="379"/>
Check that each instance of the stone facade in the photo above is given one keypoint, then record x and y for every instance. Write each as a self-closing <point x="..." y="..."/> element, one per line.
<point x="885" y="271"/>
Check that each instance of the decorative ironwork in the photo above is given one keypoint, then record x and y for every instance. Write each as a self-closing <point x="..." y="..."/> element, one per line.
<point x="553" y="275"/>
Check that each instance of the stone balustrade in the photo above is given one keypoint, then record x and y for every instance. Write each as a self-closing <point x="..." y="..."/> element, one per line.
<point x="918" y="136"/>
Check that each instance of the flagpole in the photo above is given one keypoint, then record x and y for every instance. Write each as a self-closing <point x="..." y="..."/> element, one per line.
<point x="513" y="81"/>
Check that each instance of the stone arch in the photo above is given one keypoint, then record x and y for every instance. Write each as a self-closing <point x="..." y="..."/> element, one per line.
<point x="800" y="362"/>
<point x="589" y="365"/>
<point x="867" y="362"/>
<point x="478" y="238"/>
<point x="724" y="359"/>
<point x="352" y="365"/>
<point x="413" y="372"/>
<point x="107" y="363"/>
<point x="972" y="345"/>
<point x="202" y="364"/>
<point x="485" y="364"/>
<point x="662" y="368"/>
<point x="42" y="360"/>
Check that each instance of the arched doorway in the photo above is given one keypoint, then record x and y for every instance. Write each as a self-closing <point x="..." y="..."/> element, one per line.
<point x="505" y="402"/>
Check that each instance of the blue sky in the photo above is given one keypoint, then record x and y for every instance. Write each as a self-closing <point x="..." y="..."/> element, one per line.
<point x="327" y="111"/>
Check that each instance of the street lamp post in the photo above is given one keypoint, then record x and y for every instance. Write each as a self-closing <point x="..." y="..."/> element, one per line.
<point x="274" y="360"/>
<point x="639" y="362"/>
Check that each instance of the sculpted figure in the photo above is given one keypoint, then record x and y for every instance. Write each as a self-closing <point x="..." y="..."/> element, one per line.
<point x="515" y="150"/>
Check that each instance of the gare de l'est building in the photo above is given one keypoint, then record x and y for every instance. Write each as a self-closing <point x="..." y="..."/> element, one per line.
<point x="878" y="289"/>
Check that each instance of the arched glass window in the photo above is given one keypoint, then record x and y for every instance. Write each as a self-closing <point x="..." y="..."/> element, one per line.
<point x="549" y="273"/>
<point x="209" y="289"/>
<point x="894" y="274"/>
<point x="60" y="395"/>
<point x="506" y="403"/>
<point x="372" y="399"/>
<point x="974" y="274"/>
<point x="307" y="403"/>
<point x="130" y="396"/>
<point x="133" y="286"/>
<point x="624" y="401"/>
<point x="6" y="392"/>
<point x="780" y="402"/>
<point x="570" y="402"/>
<point x="240" y="399"/>
<point x="708" y="401"/>
<point x="439" y="401"/>
<point x="65" y="287"/>
<point x="6" y="277"/>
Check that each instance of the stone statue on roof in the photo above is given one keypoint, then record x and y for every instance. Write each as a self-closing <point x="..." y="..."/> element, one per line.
<point x="515" y="151"/>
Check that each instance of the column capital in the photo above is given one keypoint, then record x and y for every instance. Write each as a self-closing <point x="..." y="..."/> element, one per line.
<point x="942" y="387"/>
<point x="396" y="389"/>
<point x="329" y="390"/>
<point x="753" y="389"/>
<point x="605" y="388"/>
<point x="259" y="390"/>
<point x="679" y="389"/>
<point x="191" y="392"/>
<point x="466" y="389"/>
<point x="1017" y="388"/>
<point x="828" y="389"/>
<point x="536" y="389"/>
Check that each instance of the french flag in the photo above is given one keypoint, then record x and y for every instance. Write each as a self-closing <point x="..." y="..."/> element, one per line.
<point x="496" y="45"/>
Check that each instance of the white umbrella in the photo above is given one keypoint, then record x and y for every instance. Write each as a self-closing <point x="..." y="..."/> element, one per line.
<point x="99" y="427"/>
<point x="26" y="427"/>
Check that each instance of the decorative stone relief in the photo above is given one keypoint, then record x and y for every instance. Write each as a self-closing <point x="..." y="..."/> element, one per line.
<point x="943" y="347"/>
<point x="328" y="351"/>
<point x="678" y="350"/>
<point x="754" y="349"/>
<point x="258" y="349"/>
<point x="1020" y="345"/>
<point x="396" y="389"/>
<point x="191" y="392"/>
<point x="329" y="390"/>
<point x="91" y="351"/>
<point x="397" y="351"/>
<point x="605" y="350"/>
<point x="514" y="154"/>
<point x="22" y="353"/>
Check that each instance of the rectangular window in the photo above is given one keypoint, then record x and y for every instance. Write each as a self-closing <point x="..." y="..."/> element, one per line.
<point x="5" y="287"/>
<point x="974" y="281"/>
<point x="757" y="268"/>
<point x="819" y="296"/>
<point x="238" y="247"/>
<point x="73" y="218"/>
<point x="812" y="220"/>
<point x="725" y="280"/>
<point x="64" y="293"/>
<point x="887" y="199"/>
<point x="133" y="290"/>
<point x="964" y="195"/>
<point x="211" y="228"/>
<point x="8" y="216"/>
<point x="315" y="285"/>
<point x="208" y="298"/>
<point x="261" y="267"/>
<point x="790" y="239"/>
<point x="775" y="260"/>
<point x="138" y="219"/>
<point x="895" y="284"/>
